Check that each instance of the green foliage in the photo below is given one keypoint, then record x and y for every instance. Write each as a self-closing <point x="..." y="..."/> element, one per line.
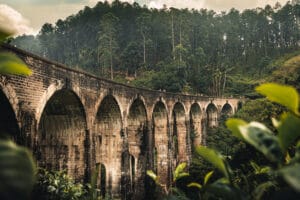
<point x="171" y="192"/>
<point x="219" y="53"/>
<point x="54" y="185"/>
<point x="9" y="63"/>
<point x="259" y="110"/>
<point x="287" y="70"/>
<point x="144" y="80"/>
<point x="179" y="172"/>
<point x="233" y="125"/>
<point x="288" y="130"/>
<point x="197" y="185"/>
<point x="291" y="175"/>
<point x="259" y="136"/>
<point x="284" y="95"/>
<point x="214" y="158"/>
<point x="205" y="181"/>
<point x="107" y="43"/>
<point x="220" y="139"/>
<point x="3" y="35"/>
<point x="92" y="192"/>
<point x="57" y="185"/>
<point x="262" y="181"/>
<point x="207" y="177"/>
<point x="152" y="175"/>
<point x="17" y="171"/>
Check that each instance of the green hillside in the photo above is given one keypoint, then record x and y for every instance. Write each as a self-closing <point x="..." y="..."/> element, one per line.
<point x="177" y="50"/>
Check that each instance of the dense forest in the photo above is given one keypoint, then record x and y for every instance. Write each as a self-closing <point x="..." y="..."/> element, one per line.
<point x="177" y="50"/>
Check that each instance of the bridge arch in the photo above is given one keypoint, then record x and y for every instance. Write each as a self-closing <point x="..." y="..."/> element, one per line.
<point x="138" y="142"/>
<point x="141" y="100"/>
<point x="227" y="110"/>
<point x="54" y="87"/>
<point x="239" y="105"/>
<point x="102" y="97"/>
<point x="10" y="95"/>
<point x="137" y="127"/>
<point x="9" y="125"/>
<point x="212" y="115"/>
<point x="62" y="122"/>
<point x="128" y="175"/>
<point x="179" y="135"/>
<point x="102" y="179"/>
<point x="196" y="124"/>
<point x="161" y="140"/>
<point x="108" y="139"/>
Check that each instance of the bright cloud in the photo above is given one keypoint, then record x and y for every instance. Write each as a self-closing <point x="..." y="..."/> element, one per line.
<point x="212" y="4"/>
<point x="238" y="4"/>
<point x="154" y="4"/>
<point x="12" y="21"/>
<point x="197" y="4"/>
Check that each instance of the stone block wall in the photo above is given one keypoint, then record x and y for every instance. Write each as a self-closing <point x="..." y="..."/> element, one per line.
<point x="73" y="120"/>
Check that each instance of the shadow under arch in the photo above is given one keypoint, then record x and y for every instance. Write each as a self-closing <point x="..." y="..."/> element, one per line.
<point x="161" y="140"/>
<point x="62" y="132"/>
<point x="138" y="144"/>
<point x="108" y="139"/>
<point x="9" y="127"/>
<point x="196" y="124"/>
<point x="212" y="115"/>
<point x="137" y="128"/>
<point x="128" y="176"/>
<point x="102" y="180"/>
<point x="179" y="135"/>
<point x="226" y="111"/>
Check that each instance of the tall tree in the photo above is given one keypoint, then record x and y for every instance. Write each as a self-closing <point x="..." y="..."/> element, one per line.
<point x="143" y="23"/>
<point x="108" y="41"/>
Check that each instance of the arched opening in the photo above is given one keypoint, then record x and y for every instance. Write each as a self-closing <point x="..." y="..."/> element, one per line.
<point x="137" y="128"/>
<point x="101" y="182"/>
<point x="138" y="140"/>
<point x="226" y="112"/>
<point x="62" y="134"/>
<point x="195" y="124"/>
<point x="108" y="141"/>
<point x="239" y="105"/>
<point x="128" y="176"/>
<point x="150" y="185"/>
<point x="212" y="115"/>
<point x="179" y="134"/>
<point x="8" y="123"/>
<point x="155" y="160"/>
<point x="160" y="132"/>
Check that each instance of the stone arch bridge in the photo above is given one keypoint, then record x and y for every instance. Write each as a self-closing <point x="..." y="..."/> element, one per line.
<point x="73" y="120"/>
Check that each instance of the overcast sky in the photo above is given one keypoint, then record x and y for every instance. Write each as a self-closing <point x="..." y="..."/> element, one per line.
<point x="27" y="16"/>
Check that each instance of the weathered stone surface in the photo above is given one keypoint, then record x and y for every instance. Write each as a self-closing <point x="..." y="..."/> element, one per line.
<point x="73" y="120"/>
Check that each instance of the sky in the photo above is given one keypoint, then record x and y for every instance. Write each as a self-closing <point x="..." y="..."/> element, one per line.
<point x="27" y="16"/>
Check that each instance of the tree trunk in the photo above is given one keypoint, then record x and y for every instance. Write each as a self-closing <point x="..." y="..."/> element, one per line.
<point x="180" y="42"/>
<point x="224" y="82"/>
<point x="144" y="45"/>
<point x="111" y="60"/>
<point x="173" y="38"/>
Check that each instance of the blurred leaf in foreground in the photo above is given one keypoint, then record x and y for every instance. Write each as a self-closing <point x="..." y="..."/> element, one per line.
<point x="17" y="171"/>
<point x="11" y="64"/>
